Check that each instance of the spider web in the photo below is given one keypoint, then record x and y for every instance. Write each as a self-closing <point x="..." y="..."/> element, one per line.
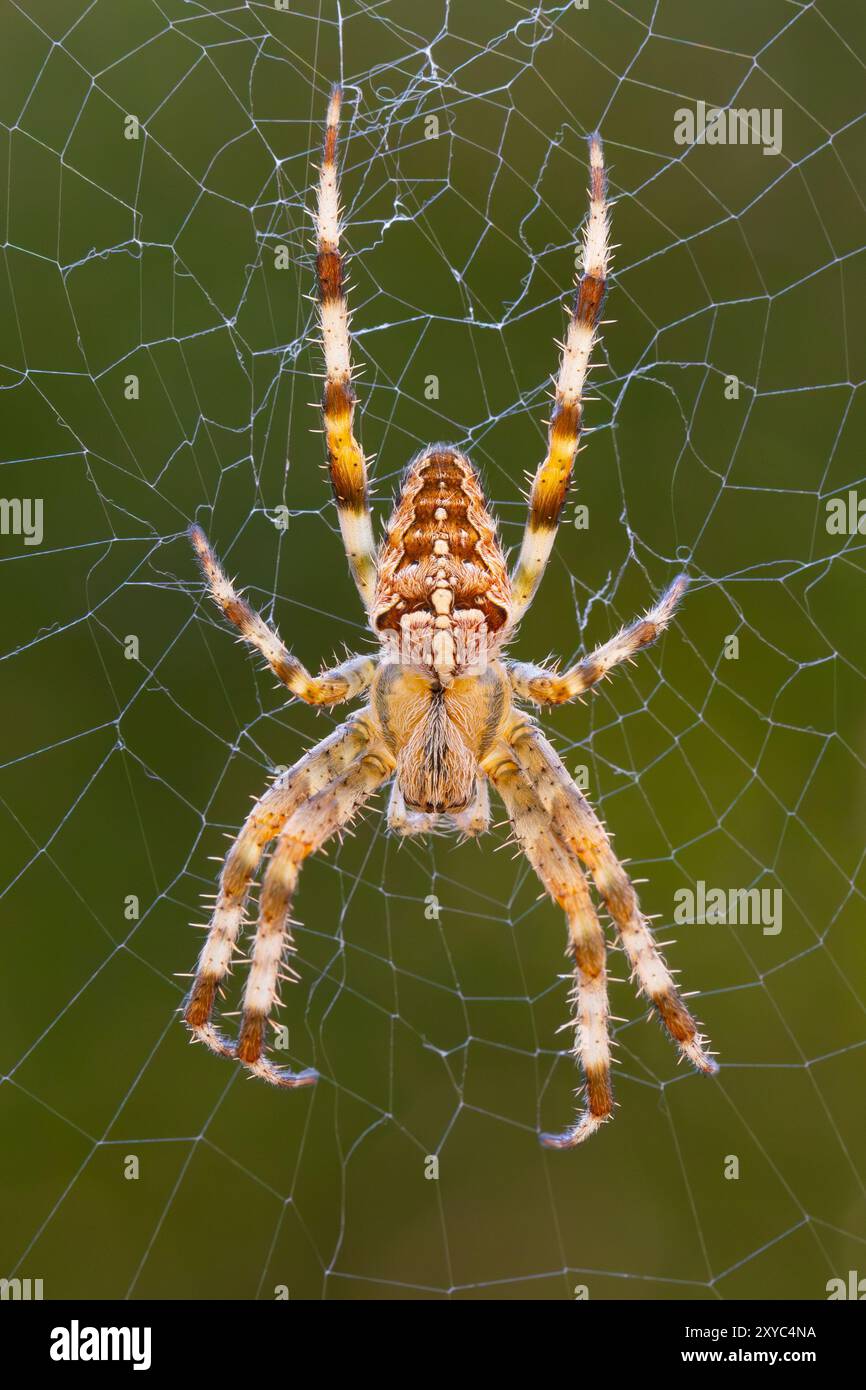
<point x="157" y="360"/>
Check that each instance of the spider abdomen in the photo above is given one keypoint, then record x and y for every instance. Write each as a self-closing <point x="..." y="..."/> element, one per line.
<point x="441" y="537"/>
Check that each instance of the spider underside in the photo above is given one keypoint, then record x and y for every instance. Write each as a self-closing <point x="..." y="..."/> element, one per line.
<point x="442" y="719"/>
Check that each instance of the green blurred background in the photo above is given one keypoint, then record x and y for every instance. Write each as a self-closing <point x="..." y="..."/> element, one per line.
<point x="162" y="258"/>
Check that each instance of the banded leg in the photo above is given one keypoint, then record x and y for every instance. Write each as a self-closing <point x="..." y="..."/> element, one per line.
<point x="550" y="688"/>
<point x="551" y="481"/>
<point x="314" y="822"/>
<point x="579" y="827"/>
<point x="559" y="870"/>
<point x="342" y="683"/>
<point x="319" y="768"/>
<point x="346" y="459"/>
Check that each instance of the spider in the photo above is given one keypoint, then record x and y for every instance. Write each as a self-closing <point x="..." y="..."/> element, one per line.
<point x="443" y="718"/>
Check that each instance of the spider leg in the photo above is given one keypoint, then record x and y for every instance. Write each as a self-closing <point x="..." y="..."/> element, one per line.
<point x="550" y="688"/>
<point x="559" y="870"/>
<point x="316" y="770"/>
<point x="342" y="683"/>
<point x="579" y="827"/>
<point x="345" y="456"/>
<point x="314" y="822"/>
<point x="551" y="481"/>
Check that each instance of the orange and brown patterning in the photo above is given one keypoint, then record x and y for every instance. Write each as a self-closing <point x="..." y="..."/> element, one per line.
<point x="441" y="561"/>
<point x="443" y="720"/>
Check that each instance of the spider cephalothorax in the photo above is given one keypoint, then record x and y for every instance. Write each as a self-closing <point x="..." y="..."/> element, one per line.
<point x="441" y="723"/>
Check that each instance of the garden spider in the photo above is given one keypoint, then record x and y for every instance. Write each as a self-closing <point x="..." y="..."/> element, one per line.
<point x="441" y="720"/>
